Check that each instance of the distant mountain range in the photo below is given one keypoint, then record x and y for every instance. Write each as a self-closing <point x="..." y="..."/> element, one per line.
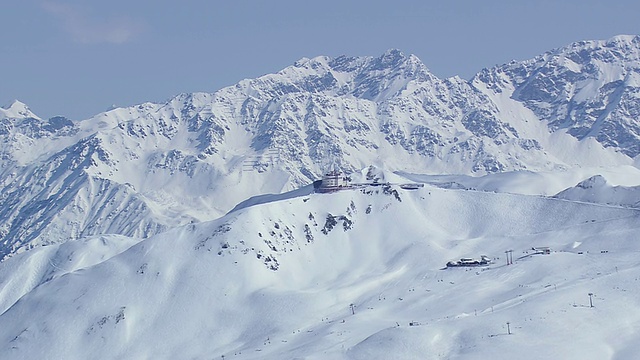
<point x="141" y="170"/>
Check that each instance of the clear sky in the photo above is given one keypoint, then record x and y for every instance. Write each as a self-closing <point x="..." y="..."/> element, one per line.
<point x="76" y="58"/>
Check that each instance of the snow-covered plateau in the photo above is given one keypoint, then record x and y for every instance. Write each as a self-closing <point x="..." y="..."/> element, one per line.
<point x="189" y="229"/>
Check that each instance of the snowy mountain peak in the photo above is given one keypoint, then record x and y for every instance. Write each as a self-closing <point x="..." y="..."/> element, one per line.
<point x="594" y="181"/>
<point x="621" y="48"/>
<point x="590" y="89"/>
<point x="623" y="40"/>
<point x="17" y="120"/>
<point x="17" y="110"/>
<point x="597" y="189"/>
<point x="392" y="58"/>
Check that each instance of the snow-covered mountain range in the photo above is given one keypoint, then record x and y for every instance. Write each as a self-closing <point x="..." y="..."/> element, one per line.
<point x="189" y="229"/>
<point x="140" y="170"/>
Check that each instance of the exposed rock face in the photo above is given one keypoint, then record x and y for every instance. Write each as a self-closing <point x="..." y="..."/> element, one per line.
<point x="590" y="88"/>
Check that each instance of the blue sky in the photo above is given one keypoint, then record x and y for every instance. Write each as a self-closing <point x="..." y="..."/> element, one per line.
<point x="76" y="58"/>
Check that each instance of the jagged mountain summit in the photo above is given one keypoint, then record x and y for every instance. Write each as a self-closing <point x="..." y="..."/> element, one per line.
<point x="141" y="170"/>
<point x="589" y="89"/>
<point x="17" y="122"/>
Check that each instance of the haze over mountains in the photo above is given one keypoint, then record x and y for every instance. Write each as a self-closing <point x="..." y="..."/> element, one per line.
<point x="132" y="203"/>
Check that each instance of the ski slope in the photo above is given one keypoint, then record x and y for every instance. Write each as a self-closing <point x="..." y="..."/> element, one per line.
<point x="274" y="279"/>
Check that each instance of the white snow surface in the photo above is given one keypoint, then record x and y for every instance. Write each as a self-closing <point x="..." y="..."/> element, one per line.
<point x="265" y="282"/>
<point x="32" y="269"/>
<point x="17" y="110"/>
<point x="189" y="229"/>
<point x="546" y="183"/>
<point x="597" y="189"/>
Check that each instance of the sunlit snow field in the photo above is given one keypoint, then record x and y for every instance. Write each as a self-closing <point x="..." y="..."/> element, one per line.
<point x="274" y="280"/>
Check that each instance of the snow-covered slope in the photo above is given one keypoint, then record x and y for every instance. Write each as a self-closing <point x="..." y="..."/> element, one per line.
<point x="141" y="170"/>
<point x="27" y="271"/>
<point x="349" y="275"/>
<point x="597" y="189"/>
<point x="547" y="183"/>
